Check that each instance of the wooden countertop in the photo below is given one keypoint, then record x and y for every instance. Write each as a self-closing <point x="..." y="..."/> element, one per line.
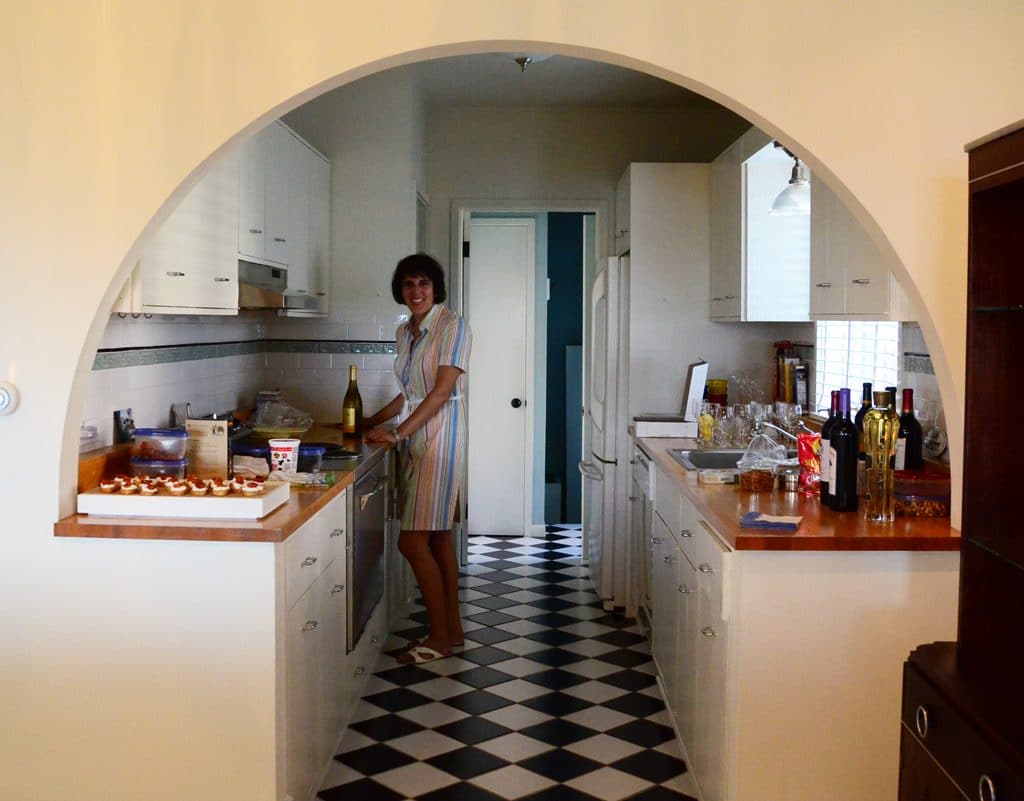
<point x="302" y="504"/>
<point x="821" y="529"/>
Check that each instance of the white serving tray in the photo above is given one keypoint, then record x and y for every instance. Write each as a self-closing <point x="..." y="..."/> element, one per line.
<point x="229" y="507"/>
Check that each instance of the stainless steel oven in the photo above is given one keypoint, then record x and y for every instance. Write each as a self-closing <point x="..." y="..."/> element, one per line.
<point x="370" y="496"/>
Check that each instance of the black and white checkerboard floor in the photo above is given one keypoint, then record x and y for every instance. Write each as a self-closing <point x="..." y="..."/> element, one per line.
<point x="552" y="698"/>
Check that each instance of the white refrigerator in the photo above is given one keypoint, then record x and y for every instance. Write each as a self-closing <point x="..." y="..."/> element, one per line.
<point x="605" y="468"/>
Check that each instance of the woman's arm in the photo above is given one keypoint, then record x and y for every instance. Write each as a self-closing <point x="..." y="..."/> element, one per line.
<point x="440" y="394"/>
<point x="393" y="407"/>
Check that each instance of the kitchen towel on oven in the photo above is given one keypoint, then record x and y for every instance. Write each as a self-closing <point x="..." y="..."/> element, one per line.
<point x="771" y="522"/>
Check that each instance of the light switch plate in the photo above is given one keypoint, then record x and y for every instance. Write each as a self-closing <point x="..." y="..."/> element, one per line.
<point x="8" y="397"/>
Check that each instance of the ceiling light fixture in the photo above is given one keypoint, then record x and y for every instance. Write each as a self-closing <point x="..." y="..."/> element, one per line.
<point x="524" y="60"/>
<point x="796" y="197"/>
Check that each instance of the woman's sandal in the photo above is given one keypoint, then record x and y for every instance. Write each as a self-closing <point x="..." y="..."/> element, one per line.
<point x="420" y="654"/>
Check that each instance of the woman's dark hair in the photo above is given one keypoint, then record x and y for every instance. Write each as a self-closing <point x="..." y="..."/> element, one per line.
<point x="415" y="266"/>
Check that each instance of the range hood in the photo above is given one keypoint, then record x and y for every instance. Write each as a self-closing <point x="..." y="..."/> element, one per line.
<point x="261" y="286"/>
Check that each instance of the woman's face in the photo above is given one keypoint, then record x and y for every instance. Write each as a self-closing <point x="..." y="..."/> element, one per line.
<point x="418" y="294"/>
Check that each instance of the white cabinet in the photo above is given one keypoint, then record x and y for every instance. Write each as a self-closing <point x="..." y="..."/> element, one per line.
<point x="623" y="202"/>
<point x="263" y="178"/>
<point x="190" y="265"/>
<point x="850" y="277"/>
<point x="759" y="261"/>
<point x="309" y="232"/>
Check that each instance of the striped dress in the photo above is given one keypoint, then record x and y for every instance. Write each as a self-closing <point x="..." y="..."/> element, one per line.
<point x="433" y="458"/>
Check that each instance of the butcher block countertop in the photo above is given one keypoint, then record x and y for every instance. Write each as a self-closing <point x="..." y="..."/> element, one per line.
<point x="302" y="504"/>
<point x="821" y="529"/>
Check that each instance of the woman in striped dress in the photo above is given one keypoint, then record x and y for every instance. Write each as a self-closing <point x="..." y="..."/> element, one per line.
<point x="433" y="356"/>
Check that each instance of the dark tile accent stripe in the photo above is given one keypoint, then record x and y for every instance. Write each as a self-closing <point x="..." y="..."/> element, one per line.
<point x="113" y="358"/>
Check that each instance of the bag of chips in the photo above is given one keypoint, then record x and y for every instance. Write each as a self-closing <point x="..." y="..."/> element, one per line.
<point x="808" y="452"/>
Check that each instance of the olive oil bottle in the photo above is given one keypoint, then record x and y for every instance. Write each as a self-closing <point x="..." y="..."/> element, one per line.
<point x="881" y="428"/>
<point x="352" y="407"/>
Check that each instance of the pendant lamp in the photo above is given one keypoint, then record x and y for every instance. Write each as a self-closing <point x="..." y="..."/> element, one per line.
<point x="796" y="197"/>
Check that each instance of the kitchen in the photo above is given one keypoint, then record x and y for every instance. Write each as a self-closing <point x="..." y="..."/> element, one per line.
<point x="123" y="230"/>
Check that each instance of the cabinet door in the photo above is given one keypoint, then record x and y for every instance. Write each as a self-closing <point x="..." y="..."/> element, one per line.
<point x="279" y="163"/>
<point x="708" y="754"/>
<point x="304" y="680"/>
<point x="191" y="261"/>
<point x="664" y="626"/>
<point x="319" y="231"/>
<point x="828" y="255"/>
<point x="252" y="195"/>
<point x="921" y="777"/>
<point x="725" y="279"/>
<point x="867" y="273"/>
<point x="686" y="663"/>
<point x="623" y="194"/>
<point x="300" y="175"/>
<point x="335" y="666"/>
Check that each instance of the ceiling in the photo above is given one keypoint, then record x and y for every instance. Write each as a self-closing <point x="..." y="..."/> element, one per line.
<point x="492" y="79"/>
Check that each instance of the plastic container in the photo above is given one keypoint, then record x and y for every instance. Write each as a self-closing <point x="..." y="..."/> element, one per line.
<point x="921" y="493"/>
<point x="163" y="444"/>
<point x="175" y="468"/>
<point x="759" y="464"/>
<point x="275" y="418"/>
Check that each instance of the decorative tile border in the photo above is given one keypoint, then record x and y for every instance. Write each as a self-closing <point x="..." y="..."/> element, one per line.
<point x="115" y="358"/>
<point x="918" y="363"/>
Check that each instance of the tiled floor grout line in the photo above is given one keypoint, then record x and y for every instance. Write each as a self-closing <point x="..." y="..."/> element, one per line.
<point x="552" y="698"/>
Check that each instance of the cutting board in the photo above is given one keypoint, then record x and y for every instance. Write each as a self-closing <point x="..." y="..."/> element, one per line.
<point x="210" y="507"/>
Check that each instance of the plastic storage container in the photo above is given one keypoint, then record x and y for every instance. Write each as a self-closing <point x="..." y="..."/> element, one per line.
<point x="921" y="493"/>
<point x="163" y="444"/>
<point x="310" y="456"/>
<point x="175" y="468"/>
<point x="275" y="418"/>
<point x="759" y="464"/>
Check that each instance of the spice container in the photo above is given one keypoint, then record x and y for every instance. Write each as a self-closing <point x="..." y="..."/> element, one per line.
<point x="757" y="479"/>
<point x="759" y="463"/>
<point x="166" y="444"/>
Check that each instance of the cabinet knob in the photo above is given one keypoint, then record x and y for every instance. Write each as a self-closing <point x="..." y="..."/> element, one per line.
<point x="717" y="300"/>
<point x="360" y="670"/>
<point x="861" y="281"/>
<point x="337" y="588"/>
<point x="309" y="561"/>
<point x="707" y="631"/>
<point x="175" y="274"/>
<point x="730" y="297"/>
<point x="221" y="279"/>
<point x="986" y="788"/>
<point x="301" y="291"/>
<point x="633" y="499"/>
<point x="824" y="285"/>
<point x="921" y="722"/>
<point x="255" y="230"/>
<point x="321" y="294"/>
<point x="683" y="589"/>
<point x="656" y="540"/>
<point x="280" y="239"/>
<point x="310" y="625"/>
<point x="373" y="640"/>
<point x="685" y="532"/>
<point x="669" y="560"/>
<point x="337" y="532"/>
<point x="705" y="568"/>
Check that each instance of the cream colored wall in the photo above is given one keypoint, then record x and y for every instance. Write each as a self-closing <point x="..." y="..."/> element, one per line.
<point x="110" y="105"/>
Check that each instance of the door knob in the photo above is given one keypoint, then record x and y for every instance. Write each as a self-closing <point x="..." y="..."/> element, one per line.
<point x="516" y="403"/>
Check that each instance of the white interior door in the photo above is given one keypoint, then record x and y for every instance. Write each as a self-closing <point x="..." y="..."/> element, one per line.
<point x="499" y="285"/>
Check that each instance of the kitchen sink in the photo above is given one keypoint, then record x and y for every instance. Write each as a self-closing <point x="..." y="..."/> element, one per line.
<point x="710" y="458"/>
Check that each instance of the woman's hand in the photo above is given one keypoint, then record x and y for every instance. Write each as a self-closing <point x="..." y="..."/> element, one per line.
<point x="381" y="436"/>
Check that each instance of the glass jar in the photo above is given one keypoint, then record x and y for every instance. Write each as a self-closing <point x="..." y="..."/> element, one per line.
<point x="881" y="428"/>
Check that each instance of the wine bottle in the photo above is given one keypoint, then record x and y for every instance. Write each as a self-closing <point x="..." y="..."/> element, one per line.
<point x="844" y="444"/>
<point x="865" y="405"/>
<point x="352" y="407"/>
<point x="825" y="453"/>
<point x="881" y="425"/>
<point x="910" y="433"/>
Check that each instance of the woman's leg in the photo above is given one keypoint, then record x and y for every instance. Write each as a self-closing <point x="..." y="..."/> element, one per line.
<point x="442" y="545"/>
<point x="415" y="547"/>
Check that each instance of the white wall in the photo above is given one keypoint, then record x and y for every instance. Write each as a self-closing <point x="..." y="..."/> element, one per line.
<point x="111" y="111"/>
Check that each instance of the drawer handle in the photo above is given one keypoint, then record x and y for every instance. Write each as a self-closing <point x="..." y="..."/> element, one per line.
<point x="633" y="499"/>
<point x="707" y="631"/>
<point x="309" y="561"/>
<point x="685" y="532"/>
<point x="683" y="589"/>
<point x="279" y="239"/>
<point x="310" y="625"/>
<point x="824" y="285"/>
<point x="861" y="281"/>
<point x="175" y="274"/>
<point x="337" y="532"/>
<point x="986" y="788"/>
<point x="360" y="670"/>
<point x="337" y="588"/>
<point x="921" y="722"/>
<point x="255" y="230"/>
<point x="705" y="568"/>
<point x="656" y="540"/>
<point x="221" y="279"/>
<point x="669" y="560"/>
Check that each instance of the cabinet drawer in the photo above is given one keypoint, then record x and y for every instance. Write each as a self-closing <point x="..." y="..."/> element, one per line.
<point x="642" y="473"/>
<point x="954" y="743"/>
<point x="336" y="525"/>
<point x="306" y="554"/>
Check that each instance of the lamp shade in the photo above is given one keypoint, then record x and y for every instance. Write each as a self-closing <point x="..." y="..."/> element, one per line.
<point x="795" y="198"/>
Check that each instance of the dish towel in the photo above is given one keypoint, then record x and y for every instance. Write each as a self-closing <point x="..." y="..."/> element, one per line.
<point x="773" y="522"/>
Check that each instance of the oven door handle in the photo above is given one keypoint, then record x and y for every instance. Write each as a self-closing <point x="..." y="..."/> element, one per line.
<point x="364" y="498"/>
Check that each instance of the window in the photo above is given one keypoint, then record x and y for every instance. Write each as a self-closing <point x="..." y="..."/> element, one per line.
<point x="848" y="353"/>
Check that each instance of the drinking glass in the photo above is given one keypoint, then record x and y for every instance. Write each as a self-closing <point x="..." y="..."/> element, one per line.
<point x="707" y="421"/>
<point x="742" y="425"/>
<point x="723" y="427"/>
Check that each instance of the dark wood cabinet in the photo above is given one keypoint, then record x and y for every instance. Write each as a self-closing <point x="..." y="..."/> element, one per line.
<point x="962" y="733"/>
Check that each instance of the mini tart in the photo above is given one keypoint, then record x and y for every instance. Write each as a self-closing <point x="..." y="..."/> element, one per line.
<point x="129" y="489"/>
<point x="237" y="484"/>
<point x="149" y="488"/>
<point x="177" y="487"/>
<point x="121" y="478"/>
<point x="220" y="490"/>
<point x="108" y="485"/>
<point x="198" y="489"/>
<point x="252" y="488"/>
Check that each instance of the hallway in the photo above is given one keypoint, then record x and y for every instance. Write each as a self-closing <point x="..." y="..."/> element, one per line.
<point x="552" y="699"/>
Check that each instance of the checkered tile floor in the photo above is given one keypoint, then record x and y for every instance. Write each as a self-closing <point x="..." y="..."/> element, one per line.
<point x="552" y="699"/>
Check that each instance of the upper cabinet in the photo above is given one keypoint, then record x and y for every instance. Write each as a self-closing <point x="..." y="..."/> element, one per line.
<point x="759" y="261"/>
<point x="850" y="277"/>
<point x="623" y="193"/>
<point x="269" y="203"/>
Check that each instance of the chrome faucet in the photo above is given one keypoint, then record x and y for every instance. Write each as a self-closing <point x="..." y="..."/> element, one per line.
<point x="761" y="423"/>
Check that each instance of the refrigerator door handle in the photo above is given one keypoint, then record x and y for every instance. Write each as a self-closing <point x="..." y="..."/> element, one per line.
<point x="591" y="472"/>
<point x="604" y="461"/>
